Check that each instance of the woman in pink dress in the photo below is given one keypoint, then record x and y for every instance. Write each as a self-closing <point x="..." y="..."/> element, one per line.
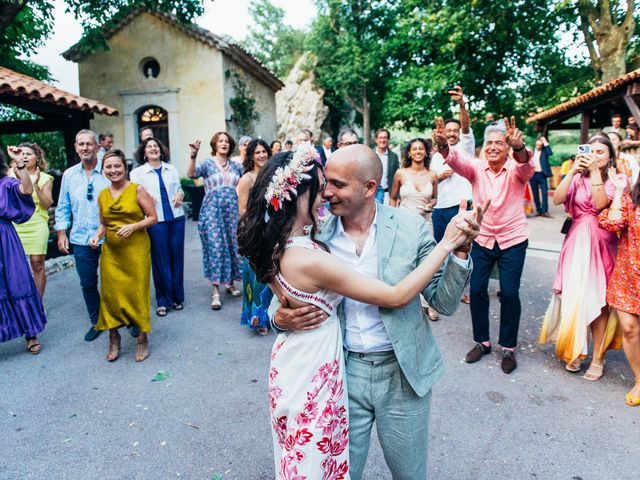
<point x="623" y="218"/>
<point x="579" y="303"/>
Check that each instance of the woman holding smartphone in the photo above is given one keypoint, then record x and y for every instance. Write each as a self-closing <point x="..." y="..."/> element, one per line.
<point x="579" y="303"/>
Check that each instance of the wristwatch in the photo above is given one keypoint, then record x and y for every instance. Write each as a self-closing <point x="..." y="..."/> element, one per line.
<point x="20" y="167"/>
<point x="517" y="150"/>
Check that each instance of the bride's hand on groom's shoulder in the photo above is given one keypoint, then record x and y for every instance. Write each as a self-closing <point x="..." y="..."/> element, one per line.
<point x="301" y="318"/>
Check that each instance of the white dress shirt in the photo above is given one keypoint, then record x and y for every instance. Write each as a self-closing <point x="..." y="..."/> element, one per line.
<point x="365" y="331"/>
<point x="384" y="158"/>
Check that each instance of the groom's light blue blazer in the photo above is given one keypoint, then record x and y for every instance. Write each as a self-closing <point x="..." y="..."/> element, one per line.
<point x="403" y="242"/>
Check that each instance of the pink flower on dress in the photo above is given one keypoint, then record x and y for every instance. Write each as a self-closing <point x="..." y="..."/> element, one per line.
<point x="274" y="393"/>
<point x="276" y="348"/>
<point x="303" y="436"/>
<point x="280" y="426"/>
<point x="309" y="414"/>
<point x="330" y="418"/>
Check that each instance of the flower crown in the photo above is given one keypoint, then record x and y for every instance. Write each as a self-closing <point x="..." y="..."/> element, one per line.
<point x="285" y="180"/>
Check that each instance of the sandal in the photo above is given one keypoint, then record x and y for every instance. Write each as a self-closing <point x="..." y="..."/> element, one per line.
<point x="432" y="314"/>
<point x="178" y="306"/>
<point x="594" y="372"/>
<point x="161" y="311"/>
<point x="35" y="347"/>
<point x="574" y="366"/>
<point x="262" y="331"/>
<point x="216" y="304"/>
<point x="142" y="350"/>
<point x="466" y="299"/>
<point x="233" y="291"/>
<point x="631" y="400"/>
<point x="114" y="348"/>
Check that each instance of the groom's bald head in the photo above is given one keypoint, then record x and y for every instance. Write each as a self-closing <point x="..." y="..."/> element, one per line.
<point x="362" y="162"/>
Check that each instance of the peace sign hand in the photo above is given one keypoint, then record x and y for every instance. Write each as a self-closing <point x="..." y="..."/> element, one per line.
<point x="514" y="136"/>
<point x="439" y="137"/>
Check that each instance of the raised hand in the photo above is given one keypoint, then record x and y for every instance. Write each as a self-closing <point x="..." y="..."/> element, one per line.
<point x="15" y="153"/>
<point x="458" y="96"/>
<point x="514" y="136"/>
<point x="439" y="137"/>
<point x="194" y="148"/>
<point x="619" y="180"/>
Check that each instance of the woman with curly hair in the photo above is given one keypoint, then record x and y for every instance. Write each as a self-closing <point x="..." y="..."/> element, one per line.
<point x="34" y="233"/>
<point x="256" y="296"/>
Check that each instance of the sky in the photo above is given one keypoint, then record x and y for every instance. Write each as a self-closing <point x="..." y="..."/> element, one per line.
<point x="235" y="13"/>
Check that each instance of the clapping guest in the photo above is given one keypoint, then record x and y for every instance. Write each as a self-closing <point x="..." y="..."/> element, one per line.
<point x="579" y="303"/>
<point x="21" y="311"/>
<point x="256" y="296"/>
<point x="162" y="181"/>
<point x="34" y="233"/>
<point x="276" y="147"/>
<point x="126" y="211"/>
<point x="218" y="221"/>
<point x="623" y="218"/>
<point x="243" y="143"/>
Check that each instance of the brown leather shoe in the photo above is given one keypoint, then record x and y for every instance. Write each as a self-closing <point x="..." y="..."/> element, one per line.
<point x="508" y="363"/>
<point x="477" y="352"/>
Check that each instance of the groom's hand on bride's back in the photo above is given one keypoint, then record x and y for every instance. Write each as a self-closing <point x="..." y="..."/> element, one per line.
<point x="302" y="318"/>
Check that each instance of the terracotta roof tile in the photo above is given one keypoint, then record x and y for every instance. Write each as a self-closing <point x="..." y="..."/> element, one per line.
<point x="19" y="85"/>
<point x="590" y="95"/>
<point x="225" y="45"/>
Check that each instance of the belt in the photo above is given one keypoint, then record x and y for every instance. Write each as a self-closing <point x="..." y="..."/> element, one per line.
<point x="373" y="356"/>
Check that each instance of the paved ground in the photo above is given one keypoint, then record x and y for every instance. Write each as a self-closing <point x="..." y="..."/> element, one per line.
<point x="68" y="414"/>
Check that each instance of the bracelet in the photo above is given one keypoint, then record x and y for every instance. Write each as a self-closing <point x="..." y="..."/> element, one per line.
<point x="442" y="147"/>
<point x="463" y="249"/>
<point x="22" y="167"/>
<point x="597" y="184"/>
<point x="518" y="150"/>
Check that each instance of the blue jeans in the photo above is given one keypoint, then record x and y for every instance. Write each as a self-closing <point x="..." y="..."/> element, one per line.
<point x="540" y="187"/>
<point x="440" y="219"/>
<point x="378" y="390"/>
<point x="380" y="195"/>
<point x="510" y="264"/>
<point x="167" y="258"/>
<point x="87" y="265"/>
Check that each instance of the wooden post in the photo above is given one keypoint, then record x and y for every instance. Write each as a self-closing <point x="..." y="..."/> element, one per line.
<point x="584" y="126"/>
<point x="631" y="103"/>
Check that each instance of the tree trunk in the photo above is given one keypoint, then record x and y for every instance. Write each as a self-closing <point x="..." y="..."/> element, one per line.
<point x="366" y="118"/>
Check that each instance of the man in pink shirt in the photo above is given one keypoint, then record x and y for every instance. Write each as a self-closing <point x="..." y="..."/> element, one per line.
<point x="500" y="176"/>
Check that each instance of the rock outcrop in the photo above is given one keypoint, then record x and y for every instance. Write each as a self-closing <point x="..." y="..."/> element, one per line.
<point x="300" y="104"/>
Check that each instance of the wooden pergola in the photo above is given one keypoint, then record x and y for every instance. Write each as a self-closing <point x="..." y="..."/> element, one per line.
<point x="594" y="107"/>
<point x="59" y="111"/>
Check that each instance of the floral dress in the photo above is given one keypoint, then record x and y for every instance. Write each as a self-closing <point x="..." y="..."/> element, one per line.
<point x="218" y="221"/>
<point x="624" y="286"/>
<point x="308" y="393"/>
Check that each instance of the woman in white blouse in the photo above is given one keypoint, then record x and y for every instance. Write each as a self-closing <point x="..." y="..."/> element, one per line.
<point x="162" y="181"/>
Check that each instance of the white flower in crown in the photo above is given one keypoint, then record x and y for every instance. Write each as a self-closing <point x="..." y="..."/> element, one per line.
<point x="285" y="180"/>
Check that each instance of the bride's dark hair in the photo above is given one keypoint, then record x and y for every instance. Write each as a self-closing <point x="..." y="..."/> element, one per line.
<point x="263" y="242"/>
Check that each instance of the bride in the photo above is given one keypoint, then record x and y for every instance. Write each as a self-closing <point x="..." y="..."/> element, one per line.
<point x="307" y="389"/>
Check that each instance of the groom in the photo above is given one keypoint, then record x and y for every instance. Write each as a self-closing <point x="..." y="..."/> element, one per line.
<point x="392" y="357"/>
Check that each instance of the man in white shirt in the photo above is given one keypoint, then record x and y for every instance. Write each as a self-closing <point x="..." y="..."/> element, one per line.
<point x="106" y="143"/>
<point x="452" y="188"/>
<point x="389" y="162"/>
<point x="393" y="360"/>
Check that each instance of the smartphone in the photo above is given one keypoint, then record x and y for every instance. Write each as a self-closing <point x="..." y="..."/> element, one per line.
<point x="445" y="91"/>
<point x="584" y="148"/>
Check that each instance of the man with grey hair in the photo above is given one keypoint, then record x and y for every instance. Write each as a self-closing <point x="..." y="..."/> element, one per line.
<point x="501" y="175"/>
<point x="347" y="137"/>
<point x="392" y="358"/>
<point x="78" y="209"/>
<point x="106" y="143"/>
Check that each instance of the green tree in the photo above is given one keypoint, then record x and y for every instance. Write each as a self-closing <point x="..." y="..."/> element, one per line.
<point x="274" y="43"/>
<point x="349" y="39"/>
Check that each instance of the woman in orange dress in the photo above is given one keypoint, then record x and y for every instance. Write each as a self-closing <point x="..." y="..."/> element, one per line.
<point x="623" y="218"/>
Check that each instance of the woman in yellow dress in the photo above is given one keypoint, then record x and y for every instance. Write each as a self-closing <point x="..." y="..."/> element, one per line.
<point x="126" y="210"/>
<point x="34" y="234"/>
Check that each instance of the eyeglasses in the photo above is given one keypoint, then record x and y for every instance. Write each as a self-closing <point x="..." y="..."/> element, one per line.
<point x="346" y="144"/>
<point x="90" y="192"/>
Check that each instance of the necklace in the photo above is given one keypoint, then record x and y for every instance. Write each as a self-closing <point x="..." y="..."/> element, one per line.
<point x="224" y="167"/>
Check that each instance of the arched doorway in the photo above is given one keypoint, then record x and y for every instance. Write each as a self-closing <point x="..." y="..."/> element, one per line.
<point x="156" y="118"/>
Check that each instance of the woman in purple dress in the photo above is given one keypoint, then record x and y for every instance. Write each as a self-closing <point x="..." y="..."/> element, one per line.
<point x="21" y="311"/>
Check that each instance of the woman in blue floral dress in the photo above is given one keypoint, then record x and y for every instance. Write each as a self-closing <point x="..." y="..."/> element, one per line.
<point x="218" y="219"/>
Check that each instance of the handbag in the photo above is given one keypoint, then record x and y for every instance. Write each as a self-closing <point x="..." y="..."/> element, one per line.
<point x="566" y="225"/>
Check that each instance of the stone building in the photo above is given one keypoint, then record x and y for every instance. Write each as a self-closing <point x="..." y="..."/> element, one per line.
<point x="179" y="80"/>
